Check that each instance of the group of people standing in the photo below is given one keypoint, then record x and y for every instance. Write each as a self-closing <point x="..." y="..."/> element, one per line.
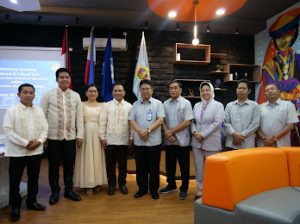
<point x="91" y="137"/>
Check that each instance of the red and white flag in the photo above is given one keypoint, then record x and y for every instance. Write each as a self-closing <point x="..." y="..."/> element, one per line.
<point x="65" y="61"/>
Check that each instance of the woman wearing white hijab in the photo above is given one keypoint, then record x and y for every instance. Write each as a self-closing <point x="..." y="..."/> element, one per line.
<point x="206" y="130"/>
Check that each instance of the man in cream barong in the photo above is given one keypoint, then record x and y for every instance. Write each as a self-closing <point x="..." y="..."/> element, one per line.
<point x="25" y="128"/>
<point x="64" y="112"/>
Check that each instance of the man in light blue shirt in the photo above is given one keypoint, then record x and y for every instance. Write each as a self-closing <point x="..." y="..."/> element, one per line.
<point x="146" y="117"/>
<point x="277" y="119"/>
<point x="242" y="118"/>
<point x="179" y="116"/>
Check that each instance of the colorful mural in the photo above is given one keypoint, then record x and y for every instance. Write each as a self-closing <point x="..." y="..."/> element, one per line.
<point x="281" y="64"/>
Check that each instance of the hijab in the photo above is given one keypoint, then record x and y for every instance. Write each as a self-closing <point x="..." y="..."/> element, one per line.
<point x="204" y="102"/>
<point x="212" y="92"/>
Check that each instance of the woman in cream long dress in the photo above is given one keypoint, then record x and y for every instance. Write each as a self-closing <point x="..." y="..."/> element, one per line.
<point x="90" y="167"/>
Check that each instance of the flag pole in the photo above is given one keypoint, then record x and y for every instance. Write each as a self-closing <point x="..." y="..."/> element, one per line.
<point x="67" y="46"/>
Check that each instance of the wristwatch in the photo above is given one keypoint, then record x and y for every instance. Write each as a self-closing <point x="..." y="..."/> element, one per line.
<point x="148" y="130"/>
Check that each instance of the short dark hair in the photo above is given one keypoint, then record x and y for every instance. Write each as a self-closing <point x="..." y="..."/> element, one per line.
<point x="58" y="71"/>
<point x="118" y="83"/>
<point x="274" y="84"/>
<point x="25" y="85"/>
<point x="175" y="81"/>
<point x="246" y="82"/>
<point x="145" y="81"/>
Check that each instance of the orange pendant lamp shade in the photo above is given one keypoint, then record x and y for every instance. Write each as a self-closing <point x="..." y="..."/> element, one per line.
<point x="206" y="9"/>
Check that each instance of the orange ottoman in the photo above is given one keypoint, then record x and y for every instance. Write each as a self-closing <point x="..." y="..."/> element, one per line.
<point x="231" y="177"/>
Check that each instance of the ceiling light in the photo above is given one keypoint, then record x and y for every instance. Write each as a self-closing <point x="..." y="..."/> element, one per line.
<point x="195" y="41"/>
<point x="207" y="29"/>
<point x="14" y="1"/>
<point x="172" y="14"/>
<point x="220" y="11"/>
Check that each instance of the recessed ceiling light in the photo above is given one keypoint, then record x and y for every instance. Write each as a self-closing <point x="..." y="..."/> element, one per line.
<point x="14" y="1"/>
<point x="220" y="11"/>
<point x="172" y="14"/>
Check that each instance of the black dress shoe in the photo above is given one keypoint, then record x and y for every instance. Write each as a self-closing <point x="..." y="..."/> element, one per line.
<point x="123" y="189"/>
<point x="139" y="194"/>
<point x="154" y="195"/>
<point x="72" y="196"/>
<point x="111" y="190"/>
<point x="15" y="214"/>
<point x="35" y="206"/>
<point x="53" y="198"/>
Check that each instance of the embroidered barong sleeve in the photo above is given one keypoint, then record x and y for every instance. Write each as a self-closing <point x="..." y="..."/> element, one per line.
<point x="8" y="127"/>
<point x="79" y="120"/>
<point x="44" y="131"/>
<point x="103" y="121"/>
<point x="45" y="103"/>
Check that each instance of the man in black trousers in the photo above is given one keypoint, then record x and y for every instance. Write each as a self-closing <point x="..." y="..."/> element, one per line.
<point x="64" y="112"/>
<point x="25" y="128"/>
<point x="146" y="118"/>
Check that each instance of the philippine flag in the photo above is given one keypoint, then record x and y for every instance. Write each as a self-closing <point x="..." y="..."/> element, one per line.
<point x="89" y="74"/>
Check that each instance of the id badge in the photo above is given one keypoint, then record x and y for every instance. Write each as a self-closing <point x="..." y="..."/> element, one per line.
<point x="149" y="116"/>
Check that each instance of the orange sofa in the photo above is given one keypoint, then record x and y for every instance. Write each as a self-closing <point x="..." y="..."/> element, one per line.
<point x="256" y="185"/>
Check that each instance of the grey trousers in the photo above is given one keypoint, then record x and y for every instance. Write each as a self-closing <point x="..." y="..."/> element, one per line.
<point x="200" y="156"/>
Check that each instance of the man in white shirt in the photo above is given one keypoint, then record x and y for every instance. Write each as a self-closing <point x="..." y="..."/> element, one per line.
<point x="277" y="119"/>
<point x="64" y="112"/>
<point x="241" y="119"/>
<point x="25" y="128"/>
<point x="114" y="131"/>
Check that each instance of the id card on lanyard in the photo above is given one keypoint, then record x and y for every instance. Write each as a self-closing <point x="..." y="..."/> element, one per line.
<point x="149" y="115"/>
